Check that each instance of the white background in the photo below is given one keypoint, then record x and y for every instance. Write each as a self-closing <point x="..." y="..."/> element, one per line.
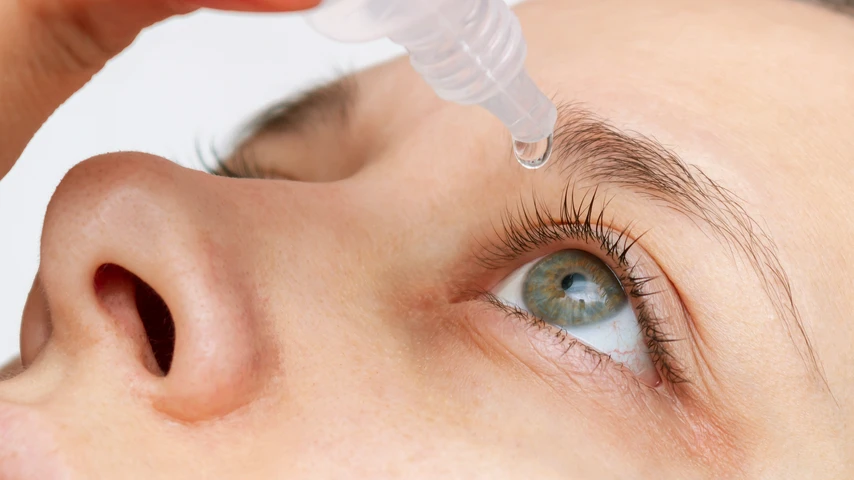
<point x="189" y="79"/>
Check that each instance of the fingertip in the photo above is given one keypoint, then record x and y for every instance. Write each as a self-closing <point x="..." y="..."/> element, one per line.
<point x="258" y="5"/>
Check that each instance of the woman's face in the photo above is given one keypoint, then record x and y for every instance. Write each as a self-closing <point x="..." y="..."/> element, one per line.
<point x="370" y="308"/>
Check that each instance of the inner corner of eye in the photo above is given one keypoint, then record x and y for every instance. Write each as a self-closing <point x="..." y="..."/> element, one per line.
<point x="578" y="292"/>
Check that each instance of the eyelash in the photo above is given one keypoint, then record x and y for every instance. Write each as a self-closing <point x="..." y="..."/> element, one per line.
<point x="532" y="228"/>
<point x="237" y="166"/>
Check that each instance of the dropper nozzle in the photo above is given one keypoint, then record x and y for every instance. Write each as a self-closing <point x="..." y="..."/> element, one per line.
<point x="529" y="115"/>
<point x="533" y="154"/>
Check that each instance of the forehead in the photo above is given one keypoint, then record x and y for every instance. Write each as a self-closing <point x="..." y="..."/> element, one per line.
<point x="743" y="80"/>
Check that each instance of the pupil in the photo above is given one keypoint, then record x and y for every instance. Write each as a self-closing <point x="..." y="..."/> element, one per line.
<point x="567" y="281"/>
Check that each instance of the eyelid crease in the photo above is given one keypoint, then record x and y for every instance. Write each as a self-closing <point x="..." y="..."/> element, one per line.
<point x="588" y="149"/>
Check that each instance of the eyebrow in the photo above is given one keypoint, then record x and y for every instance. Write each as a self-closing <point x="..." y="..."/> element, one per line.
<point x="844" y="6"/>
<point x="329" y="103"/>
<point x="587" y="148"/>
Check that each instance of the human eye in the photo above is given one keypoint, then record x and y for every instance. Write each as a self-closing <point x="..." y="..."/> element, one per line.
<point x="589" y="285"/>
<point x="575" y="291"/>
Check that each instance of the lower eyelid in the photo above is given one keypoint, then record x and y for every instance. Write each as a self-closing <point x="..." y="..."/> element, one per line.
<point x="548" y="350"/>
<point x="631" y="354"/>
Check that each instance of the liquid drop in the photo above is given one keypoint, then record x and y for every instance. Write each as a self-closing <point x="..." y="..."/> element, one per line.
<point x="533" y="155"/>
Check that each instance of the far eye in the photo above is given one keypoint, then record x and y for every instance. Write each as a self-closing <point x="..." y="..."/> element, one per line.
<point x="575" y="291"/>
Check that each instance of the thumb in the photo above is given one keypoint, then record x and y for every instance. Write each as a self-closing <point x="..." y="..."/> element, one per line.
<point x="51" y="48"/>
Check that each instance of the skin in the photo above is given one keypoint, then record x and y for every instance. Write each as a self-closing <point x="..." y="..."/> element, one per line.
<point x="324" y="329"/>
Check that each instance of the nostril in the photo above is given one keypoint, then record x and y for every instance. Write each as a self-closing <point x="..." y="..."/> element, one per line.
<point x="158" y="323"/>
<point x="126" y="296"/>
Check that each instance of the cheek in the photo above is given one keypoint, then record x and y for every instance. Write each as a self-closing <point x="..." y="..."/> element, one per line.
<point x="564" y="402"/>
<point x="30" y="450"/>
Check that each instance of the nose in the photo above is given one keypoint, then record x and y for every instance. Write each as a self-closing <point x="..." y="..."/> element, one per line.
<point x="137" y="277"/>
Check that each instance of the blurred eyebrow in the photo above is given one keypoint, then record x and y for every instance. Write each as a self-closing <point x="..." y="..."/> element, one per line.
<point x="331" y="103"/>
<point x="328" y="105"/>
<point x="588" y="149"/>
<point x="844" y="6"/>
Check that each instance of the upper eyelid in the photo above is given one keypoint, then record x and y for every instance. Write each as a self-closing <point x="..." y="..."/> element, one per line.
<point x="529" y="228"/>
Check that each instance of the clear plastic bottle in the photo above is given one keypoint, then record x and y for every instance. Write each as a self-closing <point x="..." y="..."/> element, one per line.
<point x="469" y="51"/>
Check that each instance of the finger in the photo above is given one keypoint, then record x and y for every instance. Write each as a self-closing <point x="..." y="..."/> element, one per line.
<point x="49" y="49"/>
<point x="257" y="5"/>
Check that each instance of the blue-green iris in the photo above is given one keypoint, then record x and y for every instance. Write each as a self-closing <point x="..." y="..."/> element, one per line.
<point x="571" y="288"/>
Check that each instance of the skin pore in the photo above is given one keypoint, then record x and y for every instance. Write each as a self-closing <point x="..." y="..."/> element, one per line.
<point x="331" y="318"/>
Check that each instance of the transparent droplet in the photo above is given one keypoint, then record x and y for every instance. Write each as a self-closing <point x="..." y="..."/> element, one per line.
<point x="533" y="155"/>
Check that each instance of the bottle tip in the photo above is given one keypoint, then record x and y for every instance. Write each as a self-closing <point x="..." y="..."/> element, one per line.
<point x="533" y="155"/>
